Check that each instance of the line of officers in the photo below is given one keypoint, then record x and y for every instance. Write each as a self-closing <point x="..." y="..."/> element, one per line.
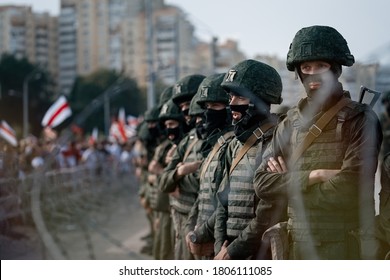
<point x="216" y="170"/>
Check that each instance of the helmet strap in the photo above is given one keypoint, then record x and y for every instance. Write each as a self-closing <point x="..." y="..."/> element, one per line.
<point x="296" y="73"/>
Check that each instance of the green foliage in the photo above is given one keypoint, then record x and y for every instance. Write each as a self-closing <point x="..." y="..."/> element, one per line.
<point x="89" y="88"/>
<point x="13" y="72"/>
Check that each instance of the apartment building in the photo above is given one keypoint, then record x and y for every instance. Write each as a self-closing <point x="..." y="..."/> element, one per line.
<point x="142" y="39"/>
<point x="119" y="35"/>
<point x="93" y="35"/>
<point x="24" y="33"/>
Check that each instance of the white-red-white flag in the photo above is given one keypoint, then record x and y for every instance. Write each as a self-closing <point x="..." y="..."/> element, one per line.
<point x="132" y="121"/>
<point x="131" y="128"/>
<point x="121" y="125"/>
<point x="119" y="128"/>
<point x="57" y="113"/>
<point x="94" y="136"/>
<point x="8" y="133"/>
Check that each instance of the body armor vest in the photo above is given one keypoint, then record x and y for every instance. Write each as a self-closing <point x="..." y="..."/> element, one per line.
<point x="326" y="152"/>
<point x="208" y="187"/>
<point x="242" y="198"/>
<point x="160" y="200"/>
<point x="152" y="195"/>
<point x="187" y="197"/>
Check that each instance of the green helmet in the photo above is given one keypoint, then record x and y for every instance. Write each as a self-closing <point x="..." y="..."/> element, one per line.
<point x="143" y="132"/>
<point x="318" y="43"/>
<point x="185" y="88"/>
<point x="165" y="95"/>
<point x="170" y="111"/>
<point x="254" y="79"/>
<point x="151" y="115"/>
<point x="210" y="90"/>
<point x="195" y="108"/>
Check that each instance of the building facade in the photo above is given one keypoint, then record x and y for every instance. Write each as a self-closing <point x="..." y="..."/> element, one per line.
<point x="152" y="43"/>
<point x="34" y="36"/>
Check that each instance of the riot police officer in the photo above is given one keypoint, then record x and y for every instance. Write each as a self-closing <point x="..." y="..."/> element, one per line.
<point x="328" y="181"/>
<point x="172" y="120"/>
<point x="217" y="134"/>
<point x="179" y="177"/>
<point x="383" y="219"/>
<point x="252" y="87"/>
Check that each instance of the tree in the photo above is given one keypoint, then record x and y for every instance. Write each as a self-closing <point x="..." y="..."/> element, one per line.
<point x="89" y="90"/>
<point x="13" y="72"/>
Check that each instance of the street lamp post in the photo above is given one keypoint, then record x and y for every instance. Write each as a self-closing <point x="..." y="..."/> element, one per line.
<point x="25" y="100"/>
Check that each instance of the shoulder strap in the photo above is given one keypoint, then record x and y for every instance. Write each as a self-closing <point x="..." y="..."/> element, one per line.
<point x="316" y="129"/>
<point x="189" y="148"/>
<point x="257" y="134"/>
<point x="221" y="140"/>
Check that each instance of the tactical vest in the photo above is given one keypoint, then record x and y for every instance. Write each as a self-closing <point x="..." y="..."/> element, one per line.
<point x="159" y="200"/>
<point x="208" y="188"/>
<point x="187" y="198"/>
<point x="326" y="152"/>
<point x="242" y="199"/>
<point x="152" y="195"/>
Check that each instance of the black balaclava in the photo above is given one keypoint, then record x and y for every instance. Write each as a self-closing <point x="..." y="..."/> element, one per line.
<point x="330" y="91"/>
<point x="177" y="132"/>
<point x="215" y="119"/>
<point x="251" y="117"/>
<point x="154" y="131"/>
<point x="191" y="124"/>
<point x="199" y="126"/>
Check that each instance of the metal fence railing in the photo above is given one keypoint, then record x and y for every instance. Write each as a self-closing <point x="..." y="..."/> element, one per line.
<point x="61" y="202"/>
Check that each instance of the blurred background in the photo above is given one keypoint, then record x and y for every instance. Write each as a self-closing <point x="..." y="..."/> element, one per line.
<point x="79" y="48"/>
<point x="110" y="60"/>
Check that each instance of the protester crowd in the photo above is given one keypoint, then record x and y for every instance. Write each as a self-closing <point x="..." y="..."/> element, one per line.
<point x="35" y="154"/>
<point x="222" y="176"/>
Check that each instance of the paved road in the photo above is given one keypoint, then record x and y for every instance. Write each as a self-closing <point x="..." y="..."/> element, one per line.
<point x="117" y="236"/>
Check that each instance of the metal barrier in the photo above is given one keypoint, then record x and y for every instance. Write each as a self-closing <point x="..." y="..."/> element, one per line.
<point x="72" y="201"/>
<point x="14" y="201"/>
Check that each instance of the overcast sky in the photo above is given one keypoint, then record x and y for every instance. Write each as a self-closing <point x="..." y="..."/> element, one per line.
<point x="268" y="27"/>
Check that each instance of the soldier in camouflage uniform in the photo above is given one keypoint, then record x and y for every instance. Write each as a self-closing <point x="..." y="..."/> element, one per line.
<point x="172" y="119"/>
<point x="179" y="178"/>
<point x="183" y="92"/>
<point x="252" y="87"/>
<point x="218" y="133"/>
<point x="165" y="96"/>
<point x="385" y="123"/>
<point x="149" y="138"/>
<point x="383" y="219"/>
<point x="330" y="187"/>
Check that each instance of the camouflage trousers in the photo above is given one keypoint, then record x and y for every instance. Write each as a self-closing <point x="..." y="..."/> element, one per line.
<point x="181" y="251"/>
<point x="163" y="242"/>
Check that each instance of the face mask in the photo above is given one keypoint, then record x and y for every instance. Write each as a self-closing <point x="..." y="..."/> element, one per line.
<point x="200" y="129"/>
<point x="250" y="118"/>
<point x="327" y="79"/>
<point x="215" y="119"/>
<point x="190" y="125"/>
<point x="241" y="109"/>
<point x="176" y="132"/>
<point x="326" y="95"/>
<point x="185" y="112"/>
<point x="154" y="132"/>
